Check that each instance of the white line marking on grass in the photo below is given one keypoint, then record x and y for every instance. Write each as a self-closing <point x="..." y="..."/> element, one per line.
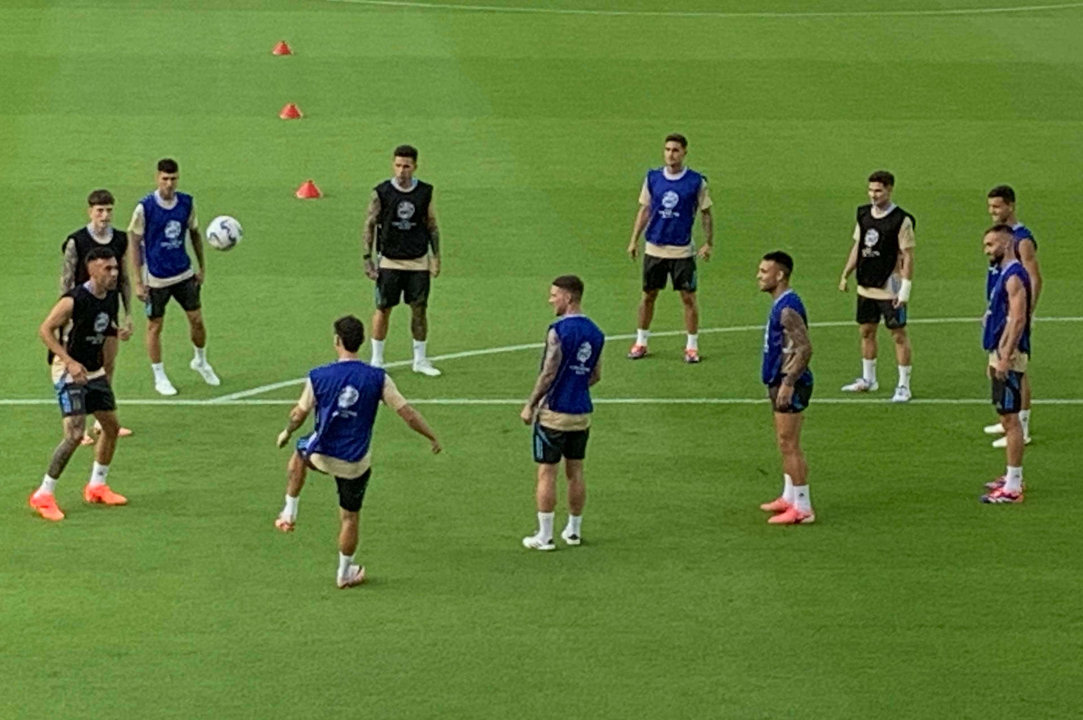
<point x="240" y="395"/>
<point x="456" y="7"/>
<point x="516" y="402"/>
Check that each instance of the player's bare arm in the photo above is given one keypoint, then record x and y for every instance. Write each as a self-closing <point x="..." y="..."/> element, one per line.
<point x="58" y="318"/>
<point x="1029" y="257"/>
<point x="638" y="226"/>
<point x="196" y="238"/>
<point x="708" y="234"/>
<point x="797" y="354"/>
<point x="596" y="374"/>
<point x="906" y="272"/>
<point x="434" y="242"/>
<point x="417" y="423"/>
<point x="135" y="249"/>
<point x="849" y="267"/>
<point x="368" y="235"/>
<point x="297" y="418"/>
<point x="548" y="373"/>
<point x="68" y="267"/>
<point x="1013" y="329"/>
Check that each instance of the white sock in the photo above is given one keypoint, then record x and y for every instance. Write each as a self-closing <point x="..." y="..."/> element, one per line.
<point x="574" y="523"/>
<point x="290" y="510"/>
<point x="98" y="474"/>
<point x="201" y="355"/>
<point x="377" y="352"/>
<point x="787" y="488"/>
<point x="904" y="376"/>
<point x="545" y="525"/>
<point x="692" y="342"/>
<point x="1024" y="418"/>
<point x="1013" y="481"/>
<point x="419" y="351"/>
<point x="48" y="485"/>
<point x="641" y="337"/>
<point x="868" y="370"/>
<point x="344" y="563"/>
<point x="159" y="371"/>
<point x="801" y="498"/>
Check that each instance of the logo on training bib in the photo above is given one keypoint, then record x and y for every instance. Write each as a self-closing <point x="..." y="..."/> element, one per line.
<point x="670" y="200"/>
<point x="584" y="353"/>
<point x="871" y="237"/>
<point x="101" y="323"/>
<point x="172" y="229"/>
<point x="348" y="397"/>
<point x="405" y="210"/>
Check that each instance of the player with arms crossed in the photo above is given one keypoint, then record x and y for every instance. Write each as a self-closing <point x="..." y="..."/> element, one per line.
<point x="1001" y="205"/>
<point x="75" y="332"/>
<point x="786" y="353"/>
<point x="158" y="227"/>
<point x="883" y="255"/>
<point x="668" y="202"/>
<point x="99" y="232"/>
<point x="344" y="395"/>
<point x="1006" y="337"/>
<point x="401" y="222"/>
<point x="560" y="407"/>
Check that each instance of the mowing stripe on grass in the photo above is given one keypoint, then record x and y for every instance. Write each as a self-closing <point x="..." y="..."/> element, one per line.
<point x="456" y="7"/>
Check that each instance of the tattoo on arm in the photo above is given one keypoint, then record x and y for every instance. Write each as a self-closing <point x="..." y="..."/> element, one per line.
<point x="548" y="371"/>
<point x="124" y="285"/>
<point x="372" y="215"/>
<point x="67" y="270"/>
<point x="297" y="419"/>
<point x="708" y="226"/>
<point x="798" y="348"/>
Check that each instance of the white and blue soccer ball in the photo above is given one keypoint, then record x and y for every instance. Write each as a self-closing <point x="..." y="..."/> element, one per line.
<point x="224" y="232"/>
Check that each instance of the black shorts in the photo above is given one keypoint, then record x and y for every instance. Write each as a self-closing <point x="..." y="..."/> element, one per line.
<point x="1008" y="393"/>
<point x="411" y="285"/>
<point x="802" y="393"/>
<point x="186" y="292"/>
<point x="870" y="311"/>
<point x="95" y="396"/>
<point x="351" y="491"/>
<point x="682" y="272"/>
<point x="551" y="445"/>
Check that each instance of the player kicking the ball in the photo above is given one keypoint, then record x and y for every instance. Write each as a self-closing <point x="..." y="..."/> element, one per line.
<point x="786" y="352"/>
<point x="344" y="395"/>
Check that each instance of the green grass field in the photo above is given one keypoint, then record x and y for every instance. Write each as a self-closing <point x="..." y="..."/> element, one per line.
<point x="907" y="599"/>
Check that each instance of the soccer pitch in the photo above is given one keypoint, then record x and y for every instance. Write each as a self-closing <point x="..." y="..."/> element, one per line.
<point x="536" y="122"/>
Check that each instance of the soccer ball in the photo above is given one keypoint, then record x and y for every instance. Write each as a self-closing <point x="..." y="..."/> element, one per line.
<point x="224" y="232"/>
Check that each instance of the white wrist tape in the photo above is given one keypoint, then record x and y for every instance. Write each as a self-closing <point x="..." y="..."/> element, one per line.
<point x="904" y="290"/>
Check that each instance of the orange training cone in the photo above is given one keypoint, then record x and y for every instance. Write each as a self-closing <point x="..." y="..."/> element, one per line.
<point x="290" y="111"/>
<point x="308" y="191"/>
<point x="282" y="48"/>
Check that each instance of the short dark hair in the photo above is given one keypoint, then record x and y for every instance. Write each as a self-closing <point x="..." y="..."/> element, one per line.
<point x="678" y="138"/>
<point x="351" y="332"/>
<point x="572" y="284"/>
<point x="1000" y="229"/>
<point x="883" y="177"/>
<point x="782" y="259"/>
<point x="168" y="165"/>
<point x="406" y="151"/>
<point x="99" y="253"/>
<point x="100" y="197"/>
<point x="1004" y="192"/>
